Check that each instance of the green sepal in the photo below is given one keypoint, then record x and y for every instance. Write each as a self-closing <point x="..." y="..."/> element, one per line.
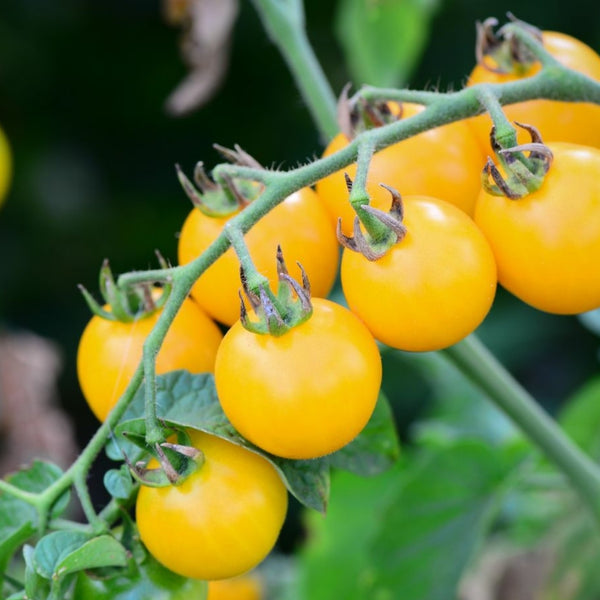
<point x="177" y="461"/>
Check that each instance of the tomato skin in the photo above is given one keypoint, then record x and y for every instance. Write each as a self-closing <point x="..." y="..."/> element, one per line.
<point x="444" y="162"/>
<point x="299" y="224"/>
<point x="246" y="587"/>
<point x="110" y="351"/>
<point x="222" y="520"/>
<point x="5" y="166"/>
<point x="432" y="288"/>
<point x="306" y="393"/>
<point x="547" y="244"/>
<point x="576" y="122"/>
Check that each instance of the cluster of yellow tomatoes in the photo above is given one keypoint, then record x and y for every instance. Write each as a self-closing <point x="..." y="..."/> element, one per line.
<point x="311" y="390"/>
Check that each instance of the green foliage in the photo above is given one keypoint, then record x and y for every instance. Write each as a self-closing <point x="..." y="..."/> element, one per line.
<point x="18" y="519"/>
<point x="425" y="517"/>
<point x="190" y="401"/>
<point x="383" y="40"/>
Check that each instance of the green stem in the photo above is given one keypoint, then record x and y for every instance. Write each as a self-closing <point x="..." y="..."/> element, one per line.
<point x="45" y="500"/>
<point x="98" y="526"/>
<point x="359" y="196"/>
<point x="479" y="365"/>
<point x="505" y="133"/>
<point x="284" y="22"/>
<point x="255" y="280"/>
<point x="17" y="492"/>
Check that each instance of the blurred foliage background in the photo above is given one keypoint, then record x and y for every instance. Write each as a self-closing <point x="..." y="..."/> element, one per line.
<point x="83" y="86"/>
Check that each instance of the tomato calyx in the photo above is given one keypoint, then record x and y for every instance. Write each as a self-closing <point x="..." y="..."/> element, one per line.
<point x="370" y="247"/>
<point x="177" y="460"/>
<point x="130" y="304"/>
<point x="214" y="199"/>
<point x="522" y="174"/>
<point x="359" y="114"/>
<point x="500" y="51"/>
<point x="275" y="314"/>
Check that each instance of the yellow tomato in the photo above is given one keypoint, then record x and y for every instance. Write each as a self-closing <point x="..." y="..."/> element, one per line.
<point x="222" y="520"/>
<point x="577" y="122"/>
<point x="305" y="393"/>
<point x="110" y="351"/>
<point x="547" y="244"/>
<point x="432" y="288"/>
<point x="299" y="224"/>
<point x="5" y="166"/>
<point x="444" y="162"/>
<point x="246" y="587"/>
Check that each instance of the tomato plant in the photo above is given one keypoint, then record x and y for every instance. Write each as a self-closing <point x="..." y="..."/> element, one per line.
<point x="444" y="162"/>
<point x="303" y="394"/>
<point x="109" y="352"/>
<point x="299" y="225"/>
<point x="434" y="287"/>
<point x="298" y="402"/>
<point x="547" y="244"/>
<point x="222" y="520"/>
<point x="577" y="122"/>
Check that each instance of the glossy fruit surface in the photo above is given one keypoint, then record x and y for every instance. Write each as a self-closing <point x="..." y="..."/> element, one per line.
<point x="110" y="351"/>
<point x="5" y="166"/>
<point x="432" y="288"/>
<point x="444" y="162"/>
<point x="299" y="224"/>
<point x="246" y="587"/>
<point x="306" y="393"/>
<point x="222" y="520"/>
<point x="547" y="244"/>
<point x="577" y="122"/>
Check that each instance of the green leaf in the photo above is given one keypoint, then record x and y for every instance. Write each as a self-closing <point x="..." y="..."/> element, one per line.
<point x="53" y="548"/>
<point x="580" y="417"/>
<point x="101" y="551"/>
<point x="460" y="410"/>
<point x="19" y="520"/>
<point x="432" y="527"/>
<point x="335" y="562"/>
<point x="190" y="401"/>
<point x="383" y="39"/>
<point x="118" y="482"/>
<point x="375" y="449"/>
<point x="36" y="586"/>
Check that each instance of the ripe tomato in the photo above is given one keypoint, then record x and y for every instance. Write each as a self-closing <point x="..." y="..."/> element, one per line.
<point x="432" y="288"/>
<point x="246" y="587"/>
<point x="299" y="224"/>
<point x="303" y="394"/>
<point x="577" y="122"/>
<point x="222" y="520"/>
<point x="444" y="162"/>
<point x="547" y="244"/>
<point x="109" y="352"/>
<point x="5" y="166"/>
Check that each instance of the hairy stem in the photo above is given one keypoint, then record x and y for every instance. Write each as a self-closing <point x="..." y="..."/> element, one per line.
<point x="478" y="364"/>
<point x="505" y="133"/>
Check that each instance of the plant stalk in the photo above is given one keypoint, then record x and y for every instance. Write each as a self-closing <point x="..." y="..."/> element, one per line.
<point x="284" y="22"/>
<point x="478" y="364"/>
